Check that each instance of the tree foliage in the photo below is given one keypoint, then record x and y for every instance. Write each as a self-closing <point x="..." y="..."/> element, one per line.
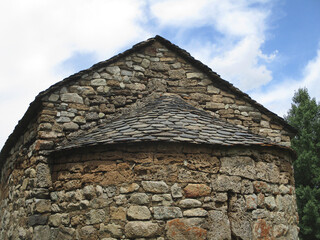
<point x="304" y="115"/>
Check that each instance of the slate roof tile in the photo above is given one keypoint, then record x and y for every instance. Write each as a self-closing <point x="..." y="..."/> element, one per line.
<point x="167" y="118"/>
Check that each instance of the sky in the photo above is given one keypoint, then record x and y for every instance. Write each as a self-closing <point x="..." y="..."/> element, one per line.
<point x="267" y="48"/>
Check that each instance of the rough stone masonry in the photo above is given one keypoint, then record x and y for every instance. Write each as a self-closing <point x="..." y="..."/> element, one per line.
<point x="150" y="144"/>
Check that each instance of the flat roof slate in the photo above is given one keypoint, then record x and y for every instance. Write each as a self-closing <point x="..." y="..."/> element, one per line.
<point x="167" y="118"/>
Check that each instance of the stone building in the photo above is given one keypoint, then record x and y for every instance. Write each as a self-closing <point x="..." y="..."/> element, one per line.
<point x="150" y="144"/>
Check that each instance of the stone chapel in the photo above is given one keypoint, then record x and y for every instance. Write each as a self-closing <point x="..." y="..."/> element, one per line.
<point x="150" y="144"/>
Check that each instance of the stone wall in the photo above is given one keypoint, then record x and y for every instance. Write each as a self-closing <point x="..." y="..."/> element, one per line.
<point x="106" y="92"/>
<point x="155" y="191"/>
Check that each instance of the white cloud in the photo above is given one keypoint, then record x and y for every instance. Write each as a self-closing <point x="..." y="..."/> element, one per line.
<point x="37" y="36"/>
<point x="181" y="13"/>
<point x="237" y="57"/>
<point x="240" y="64"/>
<point x="279" y="97"/>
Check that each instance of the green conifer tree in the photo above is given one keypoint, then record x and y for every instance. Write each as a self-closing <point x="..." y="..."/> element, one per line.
<point x="304" y="115"/>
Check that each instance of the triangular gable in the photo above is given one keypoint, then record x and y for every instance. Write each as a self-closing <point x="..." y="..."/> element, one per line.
<point x="215" y="78"/>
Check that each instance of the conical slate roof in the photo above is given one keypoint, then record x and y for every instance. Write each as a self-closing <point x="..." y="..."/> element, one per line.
<point x="170" y="119"/>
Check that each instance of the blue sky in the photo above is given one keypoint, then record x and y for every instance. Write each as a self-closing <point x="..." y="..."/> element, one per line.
<point x="267" y="48"/>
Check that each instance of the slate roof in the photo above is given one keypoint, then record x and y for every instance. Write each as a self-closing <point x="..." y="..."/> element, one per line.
<point x="170" y="119"/>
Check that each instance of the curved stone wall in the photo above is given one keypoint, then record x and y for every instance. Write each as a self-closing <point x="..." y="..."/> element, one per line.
<point x="157" y="191"/>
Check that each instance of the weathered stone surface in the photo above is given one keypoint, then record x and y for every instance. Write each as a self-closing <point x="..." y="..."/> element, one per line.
<point x="72" y="98"/>
<point x="239" y="165"/>
<point x="176" y="191"/>
<point x="88" y="232"/>
<point x="261" y="229"/>
<point x="283" y="189"/>
<point x="62" y="233"/>
<point x="251" y="201"/>
<point x="167" y="212"/>
<point x="145" y="63"/>
<point x="114" y="229"/>
<point x="95" y="216"/>
<point x="129" y="188"/>
<point x="118" y="213"/>
<point x="219" y="227"/>
<point x="98" y="82"/>
<point x="270" y="202"/>
<point x="246" y="187"/>
<point x="158" y="66"/>
<point x="89" y="192"/>
<point x="113" y="70"/>
<point x="179" y="229"/>
<point x="195" y="212"/>
<point x="226" y="183"/>
<point x="43" y="205"/>
<point x="54" y="97"/>
<point x="155" y="186"/>
<point x="280" y="230"/>
<point x="214" y="106"/>
<point x="189" y="203"/>
<point x="268" y="172"/>
<point x="43" y="175"/>
<point x="195" y="75"/>
<point x="176" y="74"/>
<point x="41" y="232"/>
<point x="197" y="190"/>
<point x="165" y="199"/>
<point x="139" y="198"/>
<point x="241" y="225"/>
<point x="37" y="219"/>
<point x="260" y="186"/>
<point x="55" y="220"/>
<point x="70" y="126"/>
<point x="63" y="119"/>
<point x="138" y="213"/>
<point x="138" y="229"/>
